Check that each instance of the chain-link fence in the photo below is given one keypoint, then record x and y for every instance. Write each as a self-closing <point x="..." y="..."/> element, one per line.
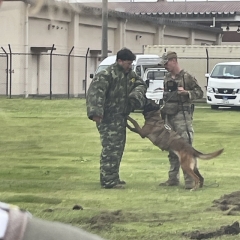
<point x="44" y="74"/>
<point x="59" y="75"/>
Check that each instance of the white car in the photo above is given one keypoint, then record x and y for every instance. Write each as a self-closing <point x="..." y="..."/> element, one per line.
<point x="154" y="78"/>
<point x="142" y="62"/>
<point x="223" y="88"/>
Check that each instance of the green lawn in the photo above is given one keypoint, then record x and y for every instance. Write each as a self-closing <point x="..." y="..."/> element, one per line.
<point x="50" y="162"/>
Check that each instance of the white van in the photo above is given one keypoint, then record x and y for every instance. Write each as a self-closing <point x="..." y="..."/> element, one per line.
<point x="141" y="63"/>
<point x="223" y="88"/>
<point x="154" y="78"/>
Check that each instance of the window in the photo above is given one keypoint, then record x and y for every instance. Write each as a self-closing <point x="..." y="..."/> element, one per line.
<point x="156" y="75"/>
<point x="226" y="71"/>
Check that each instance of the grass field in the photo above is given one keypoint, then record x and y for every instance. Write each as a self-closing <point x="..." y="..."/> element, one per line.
<point x="50" y="162"/>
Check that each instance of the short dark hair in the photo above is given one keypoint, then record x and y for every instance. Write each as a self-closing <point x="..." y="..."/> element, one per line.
<point x="126" y="55"/>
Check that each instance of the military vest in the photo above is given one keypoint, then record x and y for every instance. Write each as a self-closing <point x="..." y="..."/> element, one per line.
<point x="173" y="102"/>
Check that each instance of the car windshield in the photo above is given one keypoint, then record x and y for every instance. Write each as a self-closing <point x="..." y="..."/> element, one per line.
<point x="156" y="75"/>
<point x="226" y="71"/>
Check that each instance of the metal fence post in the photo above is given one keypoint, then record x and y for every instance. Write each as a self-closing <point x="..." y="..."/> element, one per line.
<point x="69" y="71"/>
<point x="10" y="70"/>
<point x="207" y="63"/>
<point x="6" y="71"/>
<point x="51" y="71"/>
<point x="85" y="88"/>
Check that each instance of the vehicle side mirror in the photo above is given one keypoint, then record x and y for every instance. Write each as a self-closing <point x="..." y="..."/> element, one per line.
<point x="91" y="75"/>
<point x="147" y="82"/>
<point x="207" y="75"/>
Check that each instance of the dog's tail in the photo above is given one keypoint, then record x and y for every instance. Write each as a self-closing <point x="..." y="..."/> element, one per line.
<point x="207" y="156"/>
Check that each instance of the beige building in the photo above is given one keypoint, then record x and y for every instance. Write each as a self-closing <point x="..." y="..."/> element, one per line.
<point x="221" y="14"/>
<point x="72" y="33"/>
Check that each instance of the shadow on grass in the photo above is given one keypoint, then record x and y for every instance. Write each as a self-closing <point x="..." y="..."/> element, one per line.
<point x="31" y="199"/>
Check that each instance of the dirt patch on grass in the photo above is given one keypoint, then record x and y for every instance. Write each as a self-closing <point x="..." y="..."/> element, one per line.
<point x="229" y="203"/>
<point x="106" y="218"/>
<point x="223" y="230"/>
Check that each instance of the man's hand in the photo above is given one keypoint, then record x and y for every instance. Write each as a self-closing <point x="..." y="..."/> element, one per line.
<point x="97" y="119"/>
<point x="182" y="91"/>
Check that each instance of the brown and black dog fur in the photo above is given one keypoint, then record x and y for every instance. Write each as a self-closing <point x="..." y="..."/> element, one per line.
<point x="186" y="153"/>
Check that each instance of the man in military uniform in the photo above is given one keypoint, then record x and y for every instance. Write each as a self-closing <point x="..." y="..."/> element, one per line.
<point x="180" y="88"/>
<point x="16" y="224"/>
<point x="112" y="95"/>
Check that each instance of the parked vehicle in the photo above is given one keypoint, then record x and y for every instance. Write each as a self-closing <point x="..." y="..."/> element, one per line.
<point x="141" y="63"/>
<point x="223" y="88"/>
<point x="154" y="78"/>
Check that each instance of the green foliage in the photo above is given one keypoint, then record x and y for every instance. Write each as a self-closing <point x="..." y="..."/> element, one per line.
<point x="50" y="162"/>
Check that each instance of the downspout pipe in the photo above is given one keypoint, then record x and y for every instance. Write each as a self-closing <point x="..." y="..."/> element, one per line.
<point x="10" y="71"/>
<point x="86" y="67"/>
<point x="26" y="50"/>
<point x="6" y="71"/>
<point x="207" y="63"/>
<point x="51" y="71"/>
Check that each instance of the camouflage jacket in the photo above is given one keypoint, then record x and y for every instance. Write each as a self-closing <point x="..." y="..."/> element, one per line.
<point x="188" y="82"/>
<point x="112" y="90"/>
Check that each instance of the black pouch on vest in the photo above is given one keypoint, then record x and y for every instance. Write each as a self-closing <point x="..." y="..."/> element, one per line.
<point x="170" y="108"/>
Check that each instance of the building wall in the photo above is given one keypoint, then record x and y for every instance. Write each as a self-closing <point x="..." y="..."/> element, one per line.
<point x="12" y="25"/>
<point x="172" y="40"/>
<point x="81" y="33"/>
<point x="45" y="33"/>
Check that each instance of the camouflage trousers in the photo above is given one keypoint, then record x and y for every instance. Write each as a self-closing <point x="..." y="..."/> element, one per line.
<point x="180" y="125"/>
<point x="113" y="138"/>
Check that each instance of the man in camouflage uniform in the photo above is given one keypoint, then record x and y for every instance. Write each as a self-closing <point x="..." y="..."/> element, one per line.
<point x="178" y="110"/>
<point x="112" y="95"/>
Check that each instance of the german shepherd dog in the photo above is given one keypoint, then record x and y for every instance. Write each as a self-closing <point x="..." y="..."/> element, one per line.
<point x="159" y="134"/>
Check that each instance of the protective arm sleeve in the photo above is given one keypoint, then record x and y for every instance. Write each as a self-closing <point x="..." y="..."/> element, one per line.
<point x="137" y="95"/>
<point x="96" y="95"/>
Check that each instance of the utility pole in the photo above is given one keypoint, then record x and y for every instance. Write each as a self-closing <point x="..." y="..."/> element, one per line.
<point x="104" y="29"/>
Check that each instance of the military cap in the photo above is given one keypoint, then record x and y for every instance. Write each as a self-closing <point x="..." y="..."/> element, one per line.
<point x="167" y="56"/>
